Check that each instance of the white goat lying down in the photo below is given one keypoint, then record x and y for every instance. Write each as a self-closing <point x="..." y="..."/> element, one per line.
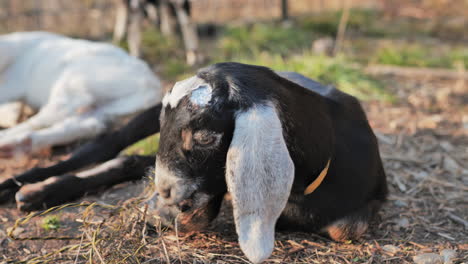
<point x="80" y="88"/>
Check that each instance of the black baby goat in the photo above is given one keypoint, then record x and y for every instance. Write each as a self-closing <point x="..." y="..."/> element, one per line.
<point x="293" y="154"/>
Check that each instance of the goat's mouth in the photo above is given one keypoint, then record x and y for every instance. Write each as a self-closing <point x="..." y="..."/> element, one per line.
<point x="192" y="214"/>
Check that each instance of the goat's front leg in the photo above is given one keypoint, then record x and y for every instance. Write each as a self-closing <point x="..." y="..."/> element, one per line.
<point x="101" y="149"/>
<point x="58" y="190"/>
<point x="121" y="21"/>
<point x="168" y="23"/>
<point x="134" y="28"/>
<point x="48" y="115"/>
<point x="189" y="32"/>
<point x="67" y="131"/>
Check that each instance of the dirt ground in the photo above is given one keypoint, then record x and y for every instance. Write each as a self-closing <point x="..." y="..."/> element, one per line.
<point x="424" y="145"/>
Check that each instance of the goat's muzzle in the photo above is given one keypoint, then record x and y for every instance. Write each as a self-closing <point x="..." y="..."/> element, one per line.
<point x="192" y="214"/>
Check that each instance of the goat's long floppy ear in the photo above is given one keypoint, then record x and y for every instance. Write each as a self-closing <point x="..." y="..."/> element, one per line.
<point x="259" y="175"/>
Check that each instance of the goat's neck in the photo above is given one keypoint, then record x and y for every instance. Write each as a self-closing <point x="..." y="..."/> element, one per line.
<point x="307" y="127"/>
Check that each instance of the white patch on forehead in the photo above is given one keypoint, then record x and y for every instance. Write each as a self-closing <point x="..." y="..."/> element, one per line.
<point x="185" y="87"/>
<point x="201" y="95"/>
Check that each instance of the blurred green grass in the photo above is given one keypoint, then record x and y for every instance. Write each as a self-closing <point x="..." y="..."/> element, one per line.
<point x="239" y="41"/>
<point x="146" y="146"/>
<point x="337" y="71"/>
<point x="361" y="21"/>
<point x="278" y="47"/>
<point x="250" y="40"/>
<point x="420" y="55"/>
<point x="375" y="23"/>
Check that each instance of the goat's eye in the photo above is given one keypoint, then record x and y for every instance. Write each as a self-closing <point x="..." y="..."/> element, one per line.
<point x="204" y="138"/>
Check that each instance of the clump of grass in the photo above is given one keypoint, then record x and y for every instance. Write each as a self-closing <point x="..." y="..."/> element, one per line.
<point x="262" y="37"/>
<point x="146" y="146"/>
<point x="362" y="21"/>
<point x="51" y="222"/>
<point x="327" y="70"/>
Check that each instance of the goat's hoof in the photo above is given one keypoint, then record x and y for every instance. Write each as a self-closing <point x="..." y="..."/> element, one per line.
<point x="19" y="197"/>
<point x="26" y="205"/>
<point x="31" y="197"/>
<point x="344" y="230"/>
<point x="8" y="188"/>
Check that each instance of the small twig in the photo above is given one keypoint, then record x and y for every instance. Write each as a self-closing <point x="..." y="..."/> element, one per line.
<point x="371" y="259"/>
<point x="445" y="236"/>
<point x="79" y="249"/>
<point x="93" y="245"/>
<point x="416" y="244"/>
<point x="168" y="260"/>
<point x="447" y="184"/>
<point x="41" y="259"/>
<point x="133" y="254"/>
<point x="458" y="220"/>
<point x="399" y="183"/>
<point x="313" y="244"/>
<point x="145" y="221"/>
<point x="177" y="238"/>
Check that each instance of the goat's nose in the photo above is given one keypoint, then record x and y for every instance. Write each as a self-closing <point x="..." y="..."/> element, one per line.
<point x="165" y="192"/>
<point x="185" y="205"/>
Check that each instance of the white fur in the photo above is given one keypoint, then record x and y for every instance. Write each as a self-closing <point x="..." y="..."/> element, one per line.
<point x="184" y="88"/>
<point x="79" y="86"/>
<point x="180" y="187"/>
<point x="259" y="175"/>
<point x="101" y="168"/>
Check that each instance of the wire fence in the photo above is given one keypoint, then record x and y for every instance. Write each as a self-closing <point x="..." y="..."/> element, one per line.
<point x="95" y="18"/>
<point x="91" y="18"/>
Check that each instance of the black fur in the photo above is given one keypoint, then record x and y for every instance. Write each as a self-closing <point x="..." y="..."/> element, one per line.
<point x="58" y="190"/>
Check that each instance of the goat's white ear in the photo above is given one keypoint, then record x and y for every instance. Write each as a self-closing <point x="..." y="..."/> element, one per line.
<point x="259" y="176"/>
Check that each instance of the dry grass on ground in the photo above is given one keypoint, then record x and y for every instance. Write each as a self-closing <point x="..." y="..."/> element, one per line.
<point x="423" y="140"/>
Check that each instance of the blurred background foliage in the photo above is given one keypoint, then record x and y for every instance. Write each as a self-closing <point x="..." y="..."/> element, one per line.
<point x="417" y="33"/>
<point x="370" y="39"/>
